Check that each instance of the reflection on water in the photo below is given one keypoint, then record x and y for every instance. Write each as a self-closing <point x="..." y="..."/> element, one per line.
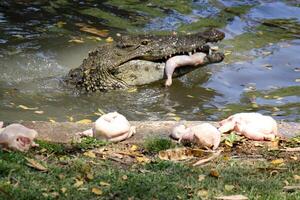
<point x="260" y="72"/>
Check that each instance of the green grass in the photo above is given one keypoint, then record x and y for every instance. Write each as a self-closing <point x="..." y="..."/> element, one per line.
<point x="155" y="180"/>
<point x="154" y="145"/>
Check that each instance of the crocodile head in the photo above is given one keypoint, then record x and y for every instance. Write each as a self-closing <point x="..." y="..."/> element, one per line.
<point x="101" y="69"/>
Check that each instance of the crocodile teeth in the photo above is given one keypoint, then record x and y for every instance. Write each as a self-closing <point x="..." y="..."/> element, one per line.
<point x="190" y="53"/>
<point x="194" y="50"/>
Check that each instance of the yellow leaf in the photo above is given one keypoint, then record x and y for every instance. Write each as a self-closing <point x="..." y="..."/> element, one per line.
<point x="102" y="183"/>
<point x="229" y="187"/>
<point x="98" y="114"/>
<point x="201" y="177"/>
<point x="84" y="121"/>
<point x="39" y="112"/>
<point x="34" y="164"/>
<point x="52" y="120"/>
<point x="60" y="24"/>
<point x="94" y="38"/>
<point x="63" y="190"/>
<point x="101" y="33"/>
<point x="101" y="111"/>
<point x="132" y="90"/>
<point x="277" y="161"/>
<point x="76" y="40"/>
<point x="71" y="119"/>
<point x="90" y="176"/>
<point x="96" y="191"/>
<point x="134" y="147"/>
<point x="176" y="118"/>
<point x="61" y="176"/>
<point x="90" y="154"/>
<point x="232" y="197"/>
<point x="109" y="39"/>
<point x="227" y="53"/>
<point x="202" y="193"/>
<point x="124" y="177"/>
<point x="228" y="143"/>
<point x="297" y="177"/>
<point x="294" y="157"/>
<point x="142" y="159"/>
<point x="27" y="108"/>
<point x="254" y="105"/>
<point x="190" y="96"/>
<point x="78" y="183"/>
<point x="214" y="173"/>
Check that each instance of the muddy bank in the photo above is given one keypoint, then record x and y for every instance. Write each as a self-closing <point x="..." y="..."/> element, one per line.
<point x="65" y="132"/>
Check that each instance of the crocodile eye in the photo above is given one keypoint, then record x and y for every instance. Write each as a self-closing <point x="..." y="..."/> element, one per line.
<point x="145" y="42"/>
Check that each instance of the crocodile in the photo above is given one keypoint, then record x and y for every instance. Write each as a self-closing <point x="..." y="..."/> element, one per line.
<point x="137" y="60"/>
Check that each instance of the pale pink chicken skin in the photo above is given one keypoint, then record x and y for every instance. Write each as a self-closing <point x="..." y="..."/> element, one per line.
<point x="112" y="127"/>
<point x="180" y="61"/>
<point x="17" y="137"/>
<point x="254" y="126"/>
<point x="205" y="135"/>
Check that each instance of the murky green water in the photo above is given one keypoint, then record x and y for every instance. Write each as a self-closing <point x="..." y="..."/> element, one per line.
<point x="261" y="71"/>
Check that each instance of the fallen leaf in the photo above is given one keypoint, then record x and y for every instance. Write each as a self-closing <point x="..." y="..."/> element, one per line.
<point x="227" y="53"/>
<point x="176" y="118"/>
<point x="39" y="112"/>
<point x="254" y="105"/>
<point x="291" y="188"/>
<point x="61" y="176"/>
<point x="94" y="38"/>
<point x="124" y="177"/>
<point x="102" y="183"/>
<point x="176" y="154"/>
<point x="260" y="32"/>
<point x="228" y="143"/>
<point x="96" y="191"/>
<point x="90" y="176"/>
<point x="34" y="164"/>
<point x="266" y="53"/>
<point x="232" y="197"/>
<point x="76" y="40"/>
<point x="60" y="24"/>
<point x="26" y="108"/>
<point x="294" y="157"/>
<point x="52" y="120"/>
<point x="269" y="66"/>
<point x="277" y="161"/>
<point x="134" y="147"/>
<point x="131" y="90"/>
<point x="101" y="33"/>
<point x="202" y="193"/>
<point x="143" y="159"/>
<point x="71" y="119"/>
<point x="109" y="39"/>
<point x="273" y="145"/>
<point x="297" y="177"/>
<point x="101" y="111"/>
<point x="90" y="154"/>
<point x="84" y="121"/>
<point x="229" y="187"/>
<point x="201" y="177"/>
<point x="63" y="190"/>
<point x="78" y="183"/>
<point x="214" y="173"/>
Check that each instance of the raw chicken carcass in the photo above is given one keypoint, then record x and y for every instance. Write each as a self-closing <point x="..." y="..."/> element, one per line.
<point x="205" y="135"/>
<point x="254" y="126"/>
